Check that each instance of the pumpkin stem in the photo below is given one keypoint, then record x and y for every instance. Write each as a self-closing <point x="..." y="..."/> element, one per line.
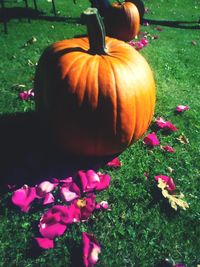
<point x="96" y="31"/>
<point x="103" y="6"/>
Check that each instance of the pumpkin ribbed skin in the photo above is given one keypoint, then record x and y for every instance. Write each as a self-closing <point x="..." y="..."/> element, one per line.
<point x="122" y="21"/>
<point x="96" y="105"/>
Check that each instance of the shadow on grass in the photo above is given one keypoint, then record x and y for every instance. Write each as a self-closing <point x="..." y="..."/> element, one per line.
<point x="20" y="12"/>
<point x="28" y="156"/>
<point x="164" y="205"/>
<point x="193" y="25"/>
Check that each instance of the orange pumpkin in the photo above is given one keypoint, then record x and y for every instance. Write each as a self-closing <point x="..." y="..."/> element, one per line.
<point x="140" y="6"/>
<point x="97" y="93"/>
<point x="122" y="20"/>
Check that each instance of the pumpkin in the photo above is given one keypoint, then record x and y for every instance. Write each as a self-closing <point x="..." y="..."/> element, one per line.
<point x="96" y="93"/>
<point x="122" y="20"/>
<point x="140" y="6"/>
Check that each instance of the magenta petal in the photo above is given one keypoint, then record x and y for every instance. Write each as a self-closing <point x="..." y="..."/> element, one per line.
<point x="23" y="197"/>
<point x="66" y="180"/>
<point x="87" y="210"/>
<point x="45" y="243"/>
<point x="70" y="191"/>
<point x="102" y="205"/>
<point x="114" y="163"/>
<point x="170" y="126"/>
<point x="48" y="199"/>
<point x="24" y="95"/>
<point x="104" y="182"/>
<point x="45" y="187"/>
<point x="161" y="123"/>
<point x="167" y="125"/>
<point x="181" y="108"/>
<point x="91" y="249"/>
<point x="168" y="180"/>
<point x="151" y="140"/>
<point x="52" y="230"/>
<point x="91" y="181"/>
<point x="168" y="149"/>
<point x="144" y="41"/>
<point x="139" y="45"/>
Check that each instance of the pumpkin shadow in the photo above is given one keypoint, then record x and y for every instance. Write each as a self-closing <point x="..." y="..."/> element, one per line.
<point x="29" y="157"/>
<point x="193" y="25"/>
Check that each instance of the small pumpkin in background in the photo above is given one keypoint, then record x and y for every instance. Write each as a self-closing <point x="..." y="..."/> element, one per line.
<point x="96" y="93"/>
<point x="140" y="6"/>
<point x="121" y="19"/>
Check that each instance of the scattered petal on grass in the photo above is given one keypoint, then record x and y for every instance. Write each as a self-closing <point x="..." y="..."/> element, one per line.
<point x="44" y="243"/>
<point x="90" y="180"/>
<point x="23" y="197"/>
<point x="51" y="224"/>
<point x="114" y="163"/>
<point x="45" y="187"/>
<point x="48" y="199"/>
<point x="146" y="24"/>
<point x="91" y="250"/>
<point x="194" y="42"/>
<point x="70" y="191"/>
<point x="26" y="95"/>
<point x="181" y="108"/>
<point x="168" y="149"/>
<point x="86" y="206"/>
<point x="170" y="170"/>
<point x="175" y="200"/>
<point x="154" y="37"/>
<point x="103" y="205"/>
<point x="144" y="41"/>
<point x="183" y="139"/>
<point x="151" y="140"/>
<point x="166" y="125"/>
<point x="168" y="180"/>
<point x="159" y="29"/>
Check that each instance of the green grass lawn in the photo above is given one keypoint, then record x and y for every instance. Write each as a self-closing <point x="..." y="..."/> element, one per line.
<point x="141" y="229"/>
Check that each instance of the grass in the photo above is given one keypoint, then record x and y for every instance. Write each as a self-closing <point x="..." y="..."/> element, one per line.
<point x="140" y="230"/>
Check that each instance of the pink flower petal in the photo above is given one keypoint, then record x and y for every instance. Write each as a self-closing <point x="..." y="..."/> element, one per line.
<point x="146" y="23"/>
<point x="132" y="43"/>
<point x="70" y="191"/>
<point x="151" y="140"/>
<point x="168" y="180"/>
<point x="45" y="243"/>
<point x="167" y="125"/>
<point x="181" y="108"/>
<point x="144" y="41"/>
<point x="48" y="199"/>
<point x="52" y="222"/>
<point x="168" y="149"/>
<point x="161" y="123"/>
<point x="23" y="197"/>
<point x="170" y="126"/>
<point x="45" y="187"/>
<point x="114" y="163"/>
<point x="159" y="29"/>
<point x="139" y="45"/>
<point x="66" y="180"/>
<point x="103" y="205"/>
<point x="90" y="180"/>
<point x="52" y="230"/>
<point x="91" y="249"/>
<point x="155" y="37"/>
<point x="86" y="206"/>
<point x="24" y="95"/>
